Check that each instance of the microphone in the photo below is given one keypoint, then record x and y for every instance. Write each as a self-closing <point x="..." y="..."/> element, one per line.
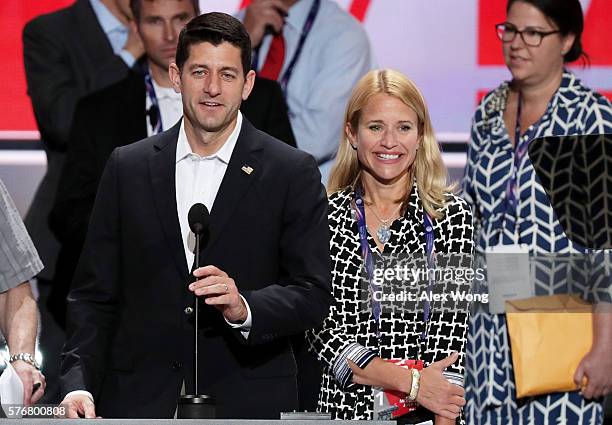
<point x="199" y="219"/>
<point x="197" y="406"/>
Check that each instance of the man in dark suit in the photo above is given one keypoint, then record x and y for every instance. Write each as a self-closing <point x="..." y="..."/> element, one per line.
<point x="124" y="113"/>
<point x="67" y="55"/>
<point x="130" y="342"/>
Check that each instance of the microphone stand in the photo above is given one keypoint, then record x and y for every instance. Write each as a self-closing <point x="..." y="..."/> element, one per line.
<point x="197" y="317"/>
<point x="198" y="406"/>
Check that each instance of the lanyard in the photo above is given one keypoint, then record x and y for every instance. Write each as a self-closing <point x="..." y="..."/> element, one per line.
<point x="431" y="265"/>
<point x="520" y="149"/>
<point x="153" y="112"/>
<point x="366" y="254"/>
<point x="284" y="79"/>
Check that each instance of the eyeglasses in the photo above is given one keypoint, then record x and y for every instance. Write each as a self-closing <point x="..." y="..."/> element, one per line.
<point x="530" y="37"/>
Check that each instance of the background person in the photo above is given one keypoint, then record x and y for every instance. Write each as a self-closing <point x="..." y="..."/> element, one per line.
<point x="19" y="262"/>
<point x="68" y="54"/>
<point x="539" y="37"/>
<point x="317" y="52"/>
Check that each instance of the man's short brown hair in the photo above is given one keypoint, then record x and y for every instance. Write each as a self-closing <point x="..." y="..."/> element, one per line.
<point x="136" y="5"/>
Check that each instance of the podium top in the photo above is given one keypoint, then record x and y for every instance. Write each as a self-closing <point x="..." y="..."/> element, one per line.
<point x="186" y="422"/>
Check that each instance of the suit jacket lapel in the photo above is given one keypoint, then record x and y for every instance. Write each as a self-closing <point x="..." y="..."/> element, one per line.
<point x="162" y="166"/>
<point x="91" y="35"/>
<point x="236" y="181"/>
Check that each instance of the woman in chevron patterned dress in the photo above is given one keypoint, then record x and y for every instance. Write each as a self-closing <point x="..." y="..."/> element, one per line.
<point x="510" y="206"/>
<point x="389" y="174"/>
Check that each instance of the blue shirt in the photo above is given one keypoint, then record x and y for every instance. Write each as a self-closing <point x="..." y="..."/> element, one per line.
<point x="335" y="56"/>
<point x="115" y="31"/>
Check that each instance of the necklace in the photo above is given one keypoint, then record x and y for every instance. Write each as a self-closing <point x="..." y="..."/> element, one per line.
<point x="383" y="233"/>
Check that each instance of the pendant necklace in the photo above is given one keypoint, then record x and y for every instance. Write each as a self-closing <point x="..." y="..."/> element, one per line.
<point x="384" y="232"/>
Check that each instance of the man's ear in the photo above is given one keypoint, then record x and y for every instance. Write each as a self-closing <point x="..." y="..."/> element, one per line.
<point x="249" y="83"/>
<point x="175" y="76"/>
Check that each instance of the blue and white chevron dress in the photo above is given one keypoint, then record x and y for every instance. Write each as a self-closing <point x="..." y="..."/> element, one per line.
<point x="574" y="109"/>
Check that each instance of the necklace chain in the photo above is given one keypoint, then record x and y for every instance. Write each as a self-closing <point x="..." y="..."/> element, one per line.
<point x="383" y="221"/>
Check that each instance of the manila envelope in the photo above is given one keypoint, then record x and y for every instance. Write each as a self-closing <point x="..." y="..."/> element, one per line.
<point x="549" y="336"/>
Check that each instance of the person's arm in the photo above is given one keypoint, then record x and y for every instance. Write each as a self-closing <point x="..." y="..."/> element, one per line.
<point x="261" y="15"/>
<point x="435" y="392"/>
<point x="351" y="363"/>
<point x="93" y="299"/>
<point x="460" y="258"/>
<point x="19" y="262"/>
<point x="468" y="191"/>
<point x="301" y="301"/>
<point x="596" y="366"/>
<point x="133" y="48"/>
<point x="317" y="120"/>
<point x="19" y="324"/>
<point x="79" y="180"/>
<point x="52" y="81"/>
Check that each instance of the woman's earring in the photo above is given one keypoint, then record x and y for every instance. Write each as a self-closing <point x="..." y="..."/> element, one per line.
<point x="354" y="147"/>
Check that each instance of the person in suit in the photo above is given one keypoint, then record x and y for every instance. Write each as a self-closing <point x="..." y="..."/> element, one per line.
<point x="130" y="347"/>
<point x="317" y="51"/>
<point x="68" y="54"/>
<point x="124" y="113"/>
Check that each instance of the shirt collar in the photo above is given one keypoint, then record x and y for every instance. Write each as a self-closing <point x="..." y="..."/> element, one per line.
<point x="298" y="14"/>
<point x="183" y="149"/>
<point x="107" y="20"/>
<point x="566" y="95"/>
<point x="164" y="92"/>
<point x="568" y="89"/>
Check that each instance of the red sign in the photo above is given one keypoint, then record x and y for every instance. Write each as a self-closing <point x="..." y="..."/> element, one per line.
<point x="16" y="107"/>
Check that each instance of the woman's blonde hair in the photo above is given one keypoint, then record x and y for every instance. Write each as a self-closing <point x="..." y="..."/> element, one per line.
<point x="428" y="168"/>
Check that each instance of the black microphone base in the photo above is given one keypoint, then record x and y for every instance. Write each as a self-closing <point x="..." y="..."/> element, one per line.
<point x="196" y="407"/>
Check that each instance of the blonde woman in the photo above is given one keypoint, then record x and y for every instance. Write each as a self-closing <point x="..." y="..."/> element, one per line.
<point x="389" y="195"/>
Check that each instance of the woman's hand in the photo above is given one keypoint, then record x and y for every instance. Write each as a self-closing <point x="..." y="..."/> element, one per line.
<point x="596" y="369"/>
<point x="440" y="420"/>
<point x="439" y="395"/>
<point x="596" y="366"/>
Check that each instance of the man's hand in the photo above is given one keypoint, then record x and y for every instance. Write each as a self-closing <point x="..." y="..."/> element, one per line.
<point x="30" y="376"/>
<point x="134" y="44"/>
<point x="79" y="406"/>
<point x="439" y="395"/>
<point x="220" y="291"/>
<point x="261" y="14"/>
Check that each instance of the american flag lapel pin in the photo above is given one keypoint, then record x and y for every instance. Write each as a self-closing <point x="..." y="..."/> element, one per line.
<point x="247" y="169"/>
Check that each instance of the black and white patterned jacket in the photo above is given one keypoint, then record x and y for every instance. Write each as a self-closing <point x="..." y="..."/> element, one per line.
<point x="349" y="331"/>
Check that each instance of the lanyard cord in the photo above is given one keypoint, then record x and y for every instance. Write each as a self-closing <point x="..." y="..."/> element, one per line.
<point x="284" y="79"/>
<point x="153" y="112"/>
<point x="366" y="254"/>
